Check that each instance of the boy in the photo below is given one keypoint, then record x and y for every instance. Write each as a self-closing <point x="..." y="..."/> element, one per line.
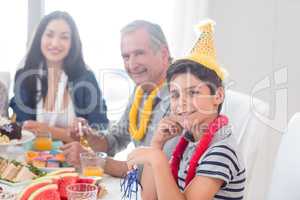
<point x="205" y="163"/>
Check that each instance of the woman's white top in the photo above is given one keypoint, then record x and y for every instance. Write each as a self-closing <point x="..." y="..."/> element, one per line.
<point x="59" y="117"/>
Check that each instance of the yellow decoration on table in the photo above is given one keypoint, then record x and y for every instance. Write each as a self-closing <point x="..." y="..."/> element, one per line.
<point x="135" y="132"/>
<point x="204" y="51"/>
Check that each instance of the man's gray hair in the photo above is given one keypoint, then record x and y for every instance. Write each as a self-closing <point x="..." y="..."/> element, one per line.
<point x="157" y="37"/>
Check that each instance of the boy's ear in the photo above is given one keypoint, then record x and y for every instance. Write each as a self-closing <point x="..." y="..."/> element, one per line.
<point x="219" y="96"/>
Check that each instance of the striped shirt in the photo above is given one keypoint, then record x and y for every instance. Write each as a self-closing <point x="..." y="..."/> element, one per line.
<point x="220" y="161"/>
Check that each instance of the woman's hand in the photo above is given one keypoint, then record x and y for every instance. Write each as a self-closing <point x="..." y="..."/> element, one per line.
<point x="143" y="156"/>
<point x="168" y="128"/>
<point x="35" y="127"/>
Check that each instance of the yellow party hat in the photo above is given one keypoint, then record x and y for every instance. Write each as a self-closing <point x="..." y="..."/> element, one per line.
<point x="204" y="51"/>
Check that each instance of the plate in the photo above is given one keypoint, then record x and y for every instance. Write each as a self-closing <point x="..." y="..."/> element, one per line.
<point x="27" y="136"/>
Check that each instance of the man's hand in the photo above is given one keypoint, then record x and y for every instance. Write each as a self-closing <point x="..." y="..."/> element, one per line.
<point x="96" y="140"/>
<point x="72" y="152"/>
<point x="77" y="124"/>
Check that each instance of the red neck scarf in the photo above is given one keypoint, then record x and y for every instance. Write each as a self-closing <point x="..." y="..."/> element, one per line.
<point x="202" y="146"/>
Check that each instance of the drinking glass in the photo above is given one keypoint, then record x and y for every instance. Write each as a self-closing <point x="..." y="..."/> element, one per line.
<point x="43" y="142"/>
<point x="82" y="191"/>
<point x="92" y="163"/>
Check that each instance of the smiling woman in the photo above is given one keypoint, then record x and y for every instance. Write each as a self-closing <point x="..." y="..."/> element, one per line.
<point x="55" y="85"/>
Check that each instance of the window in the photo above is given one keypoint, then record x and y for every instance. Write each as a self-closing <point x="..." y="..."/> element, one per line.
<point x="99" y="24"/>
<point x="13" y="20"/>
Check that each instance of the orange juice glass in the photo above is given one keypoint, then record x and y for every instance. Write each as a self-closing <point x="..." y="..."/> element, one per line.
<point x="43" y="142"/>
<point x="92" y="163"/>
<point x="92" y="171"/>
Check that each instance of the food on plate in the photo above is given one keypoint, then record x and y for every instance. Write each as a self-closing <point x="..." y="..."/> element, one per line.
<point x="42" y="159"/>
<point x="47" y="192"/>
<point x="62" y="171"/>
<point x="39" y="162"/>
<point x="4" y="139"/>
<point x="52" y="163"/>
<point x="64" y="181"/>
<point x="93" y="180"/>
<point x="62" y="178"/>
<point x="15" y="172"/>
<point x="33" y="187"/>
<point x="9" y="131"/>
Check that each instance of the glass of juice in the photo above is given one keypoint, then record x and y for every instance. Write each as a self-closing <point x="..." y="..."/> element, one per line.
<point x="82" y="191"/>
<point x="92" y="163"/>
<point x="43" y="142"/>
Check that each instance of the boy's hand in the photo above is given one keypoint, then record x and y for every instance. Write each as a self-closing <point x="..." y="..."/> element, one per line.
<point x="167" y="129"/>
<point x="143" y="156"/>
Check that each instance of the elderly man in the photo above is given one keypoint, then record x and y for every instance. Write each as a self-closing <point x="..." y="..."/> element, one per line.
<point x="146" y="58"/>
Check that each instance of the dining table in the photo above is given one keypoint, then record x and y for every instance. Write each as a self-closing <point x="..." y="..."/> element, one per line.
<point x="111" y="184"/>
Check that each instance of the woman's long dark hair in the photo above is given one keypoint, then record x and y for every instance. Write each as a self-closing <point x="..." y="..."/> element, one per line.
<point x="74" y="65"/>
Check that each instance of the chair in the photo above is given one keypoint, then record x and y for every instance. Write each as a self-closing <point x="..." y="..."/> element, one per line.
<point x="286" y="175"/>
<point x="258" y="143"/>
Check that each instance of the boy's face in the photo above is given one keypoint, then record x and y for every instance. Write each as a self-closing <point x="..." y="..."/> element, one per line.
<point x="191" y="100"/>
